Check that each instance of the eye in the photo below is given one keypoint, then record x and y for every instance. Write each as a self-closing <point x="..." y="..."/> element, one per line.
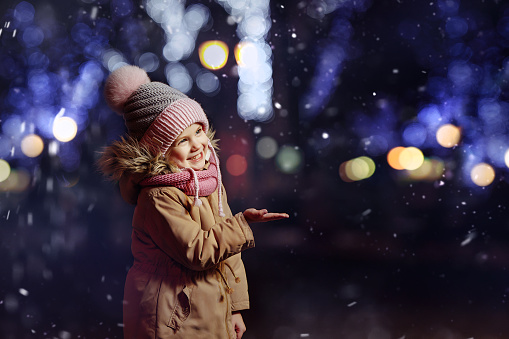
<point x="199" y="130"/>
<point x="181" y="141"/>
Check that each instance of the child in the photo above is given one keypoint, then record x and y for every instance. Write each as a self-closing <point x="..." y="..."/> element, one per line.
<point x="188" y="279"/>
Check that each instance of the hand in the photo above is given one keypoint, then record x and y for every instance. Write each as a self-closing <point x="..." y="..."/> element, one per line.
<point x="238" y="324"/>
<point x="254" y="215"/>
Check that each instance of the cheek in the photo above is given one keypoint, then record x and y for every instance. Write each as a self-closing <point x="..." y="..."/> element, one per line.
<point x="176" y="157"/>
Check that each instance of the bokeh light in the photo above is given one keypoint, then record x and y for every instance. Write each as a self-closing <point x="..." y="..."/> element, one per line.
<point x="5" y="170"/>
<point x="289" y="159"/>
<point x="178" y="77"/>
<point x="506" y="158"/>
<point x="430" y="170"/>
<point x="17" y="182"/>
<point x="393" y="158"/>
<point x="64" y="129"/>
<point x="357" y="169"/>
<point x="266" y="147"/>
<point x="236" y="164"/>
<point x="213" y="54"/>
<point x="448" y="135"/>
<point x="482" y="174"/>
<point x="415" y="134"/>
<point x="411" y="158"/>
<point x="32" y="145"/>
<point x="246" y="54"/>
<point x="208" y="82"/>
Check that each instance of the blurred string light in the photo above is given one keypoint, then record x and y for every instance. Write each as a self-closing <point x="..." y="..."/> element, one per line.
<point x="55" y="73"/>
<point x="253" y="56"/>
<point x="466" y="106"/>
<point x="333" y="51"/>
<point x="181" y="26"/>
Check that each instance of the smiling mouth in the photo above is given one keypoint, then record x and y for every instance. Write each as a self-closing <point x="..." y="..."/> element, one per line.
<point x="197" y="157"/>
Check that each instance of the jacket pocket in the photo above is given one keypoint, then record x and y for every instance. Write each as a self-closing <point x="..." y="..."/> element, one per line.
<point x="182" y="308"/>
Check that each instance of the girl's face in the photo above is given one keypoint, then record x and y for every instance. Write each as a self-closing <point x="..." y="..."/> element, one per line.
<point x="190" y="148"/>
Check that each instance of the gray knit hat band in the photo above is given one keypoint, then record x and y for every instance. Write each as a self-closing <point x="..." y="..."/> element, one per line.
<point x="145" y="104"/>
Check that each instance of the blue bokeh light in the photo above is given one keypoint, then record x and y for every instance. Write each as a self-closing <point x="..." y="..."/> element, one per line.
<point x="415" y="134"/>
<point x="121" y="8"/>
<point x="19" y="98"/>
<point x="32" y="36"/>
<point x="456" y="27"/>
<point x="38" y="60"/>
<point x="448" y="7"/>
<point x="24" y="12"/>
<point x="13" y="126"/>
<point x="431" y="117"/>
<point x="81" y="33"/>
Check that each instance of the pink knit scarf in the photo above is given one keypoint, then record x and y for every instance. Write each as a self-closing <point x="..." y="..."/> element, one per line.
<point x="198" y="183"/>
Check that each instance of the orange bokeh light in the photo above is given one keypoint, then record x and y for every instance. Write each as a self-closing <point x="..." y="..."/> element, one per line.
<point x="393" y="157"/>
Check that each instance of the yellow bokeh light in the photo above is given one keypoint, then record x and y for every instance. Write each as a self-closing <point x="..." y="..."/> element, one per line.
<point x="246" y="54"/>
<point x="64" y="129"/>
<point x="506" y="158"/>
<point x="5" y="170"/>
<point x="18" y="181"/>
<point x="32" y="145"/>
<point x="213" y="54"/>
<point x="342" y="172"/>
<point x="357" y="169"/>
<point x="430" y="170"/>
<point x="448" y="135"/>
<point x="393" y="158"/>
<point x="411" y="158"/>
<point x="482" y="174"/>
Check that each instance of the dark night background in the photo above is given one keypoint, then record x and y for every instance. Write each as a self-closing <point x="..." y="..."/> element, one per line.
<point x="385" y="257"/>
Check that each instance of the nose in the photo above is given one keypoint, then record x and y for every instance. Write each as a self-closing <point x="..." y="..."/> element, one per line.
<point x="195" y="144"/>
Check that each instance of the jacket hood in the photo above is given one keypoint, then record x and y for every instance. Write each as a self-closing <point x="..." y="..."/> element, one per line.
<point x="129" y="162"/>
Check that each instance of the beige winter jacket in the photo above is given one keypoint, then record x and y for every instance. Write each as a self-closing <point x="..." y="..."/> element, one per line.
<point x="187" y="275"/>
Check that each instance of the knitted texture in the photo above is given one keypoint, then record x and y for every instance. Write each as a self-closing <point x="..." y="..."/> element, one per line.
<point x="174" y="119"/>
<point x="121" y="83"/>
<point x="184" y="181"/>
<point x="145" y="104"/>
<point x="198" y="183"/>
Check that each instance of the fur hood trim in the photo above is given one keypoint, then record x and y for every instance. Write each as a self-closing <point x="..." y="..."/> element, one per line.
<point x="128" y="156"/>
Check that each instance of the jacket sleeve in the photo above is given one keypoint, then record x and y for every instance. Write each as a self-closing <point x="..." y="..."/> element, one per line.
<point x="182" y="238"/>
<point x="236" y="275"/>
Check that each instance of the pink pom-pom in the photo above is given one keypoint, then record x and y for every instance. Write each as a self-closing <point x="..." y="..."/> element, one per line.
<point x="121" y="83"/>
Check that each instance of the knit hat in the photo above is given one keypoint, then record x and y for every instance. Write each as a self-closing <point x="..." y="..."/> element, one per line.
<point x="154" y="113"/>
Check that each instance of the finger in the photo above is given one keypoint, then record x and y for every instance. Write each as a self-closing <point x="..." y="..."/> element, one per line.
<point x="240" y="331"/>
<point x="275" y="216"/>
